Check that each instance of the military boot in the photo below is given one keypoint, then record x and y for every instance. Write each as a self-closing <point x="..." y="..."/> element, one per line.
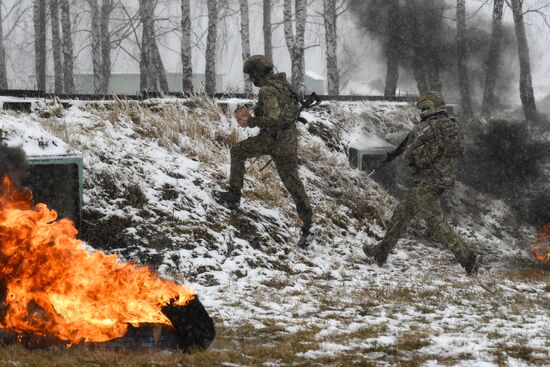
<point x="229" y="199"/>
<point x="472" y="264"/>
<point x="306" y="236"/>
<point x="377" y="253"/>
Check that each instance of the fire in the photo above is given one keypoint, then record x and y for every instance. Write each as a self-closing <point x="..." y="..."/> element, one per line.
<point x="54" y="286"/>
<point x="541" y="247"/>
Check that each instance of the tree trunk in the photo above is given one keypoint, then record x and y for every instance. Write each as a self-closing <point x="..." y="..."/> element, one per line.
<point x="3" y="76"/>
<point x="159" y="69"/>
<point x="148" y="71"/>
<point x="268" y="47"/>
<point x="433" y="23"/>
<point x="492" y="65"/>
<point x="331" y="39"/>
<point x="295" y="42"/>
<point x="96" y="45"/>
<point x="68" y="58"/>
<point x="392" y="49"/>
<point x="56" y="46"/>
<point x="210" y="70"/>
<point x="245" y="40"/>
<point x="105" y="43"/>
<point x="39" y="19"/>
<point x="525" y="82"/>
<point x="186" y="62"/>
<point x="462" y="57"/>
<point x="415" y="31"/>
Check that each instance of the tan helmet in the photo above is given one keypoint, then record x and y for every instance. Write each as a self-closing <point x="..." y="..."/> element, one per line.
<point x="430" y="100"/>
<point x="257" y="64"/>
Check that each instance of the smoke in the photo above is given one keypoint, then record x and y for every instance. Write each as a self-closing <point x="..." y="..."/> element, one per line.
<point x="508" y="161"/>
<point x="426" y="36"/>
<point x="13" y="163"/>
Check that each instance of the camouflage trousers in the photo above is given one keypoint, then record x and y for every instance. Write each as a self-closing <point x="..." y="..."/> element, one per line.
<point x="284" y="155"/>
<point x="424" y="201"/>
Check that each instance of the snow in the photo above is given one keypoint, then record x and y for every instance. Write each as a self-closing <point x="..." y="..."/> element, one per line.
<point x="246" y="267"/>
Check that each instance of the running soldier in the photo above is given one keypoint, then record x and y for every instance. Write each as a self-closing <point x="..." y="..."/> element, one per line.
<point x="276" y="113"/>
<point x="431" y="150"/>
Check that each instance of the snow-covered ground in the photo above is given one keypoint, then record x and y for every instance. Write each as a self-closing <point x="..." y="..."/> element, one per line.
<point x="149" y="174"/>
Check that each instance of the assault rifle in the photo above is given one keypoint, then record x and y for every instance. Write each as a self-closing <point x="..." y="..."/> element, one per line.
<point x="391" y="155"/>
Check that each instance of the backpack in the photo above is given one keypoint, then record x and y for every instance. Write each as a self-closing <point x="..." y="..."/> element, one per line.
<point x="449" y="137"/>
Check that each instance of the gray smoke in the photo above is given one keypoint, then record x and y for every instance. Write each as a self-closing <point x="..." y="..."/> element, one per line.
<point x="13" y="163"/>
<point x="436" y="40"/>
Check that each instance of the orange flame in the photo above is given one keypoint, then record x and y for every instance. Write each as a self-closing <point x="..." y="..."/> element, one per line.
<point x="53" y="286"/>
<point x="541" y="247"/>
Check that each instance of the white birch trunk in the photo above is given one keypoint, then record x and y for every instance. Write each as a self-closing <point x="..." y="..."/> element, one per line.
<point x="186" y="61"/>
<point x="3" y="77"/>
<point x="245" y="40"/>
<point x="68" y="58"/>
<point x="492" y="65"/>
<point x="39" y="20"/>
<point x="210" y="70"/>
<point x="331" y="39"/>
<point x="159" y="69"/>
<point x="105" y="44"/>
<point x="56" y="46"/>
<point x="148" y="79"/>
<point x="295" y="42"/>
<point x="268" y="46"/>
<point x="96" y="45"/>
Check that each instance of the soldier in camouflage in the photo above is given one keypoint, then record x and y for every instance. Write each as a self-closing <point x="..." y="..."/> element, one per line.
<point x="276" y="113"/>
<point x="432" y="148"/>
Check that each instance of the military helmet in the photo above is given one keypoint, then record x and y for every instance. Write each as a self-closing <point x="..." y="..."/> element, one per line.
<point x="257" y="64"/>
<point x="430" y="100"/>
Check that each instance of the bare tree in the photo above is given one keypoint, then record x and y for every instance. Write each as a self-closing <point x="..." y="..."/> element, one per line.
<point x="148" y="72"/>
<point x="268" y="47"/>
<point x="3" y="76"/>
<point x="462" y="56"/>
<point x="160" y="72"/>
<point x="245" y="40"/>
<point x="96" y="45"/>
<point x="392" y="49"/>
<point x="107" y="7"/>
<point x="415" y="31"/>
<point x="68" y="59"/>
<point x="210" y="70"/>
<point x="492" y="65"/>
<point x="295" y="41"/>
<point x="186" y="63"/>
<point x="525" y="82"/>
<point x="432" y="32"/>
<point x="331" y="39"/>
<point x="39" y="20"/>
<point x="56" y="46"/>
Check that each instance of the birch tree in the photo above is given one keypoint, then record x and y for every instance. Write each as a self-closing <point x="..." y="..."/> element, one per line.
<point x="295" y="41"/>
<point x="39" y="20"/>
<point x="56" y="46"/>
<point x="245" y="41"/>
<point x="492" y="65"/>
<point x="160" y="72"/>
<point x="107" y="7"/>
<point x="96" y="45"/>
<point x="525" y="83"/>
<point x="268" y="47"/>
<point x="210" y="70"/>
<point x="392" y="49"/>
<point x="462" y="56"/>
<point x="68" y="59"/>
<point x="3" y="76"/>
<point x="432" y="32"/>
<point x="331" y="39"/>
<point x="148" y="72"/>
<point x="186" y="63"/>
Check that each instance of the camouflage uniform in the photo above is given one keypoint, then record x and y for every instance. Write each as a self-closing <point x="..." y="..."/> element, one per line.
<point x="275" y="114"/>
<point x="434" y="172"/>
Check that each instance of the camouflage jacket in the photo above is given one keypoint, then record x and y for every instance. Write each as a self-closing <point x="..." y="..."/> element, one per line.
<point x="278" y="107"/>
<point x="433" y="162"/>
